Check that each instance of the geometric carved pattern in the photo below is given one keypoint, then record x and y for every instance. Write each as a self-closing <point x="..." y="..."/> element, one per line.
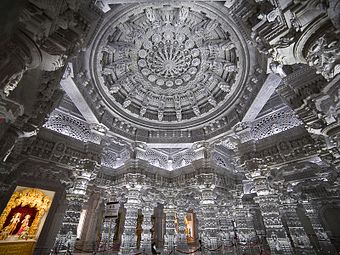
<point x="69" y="126"/>
<point x="184" y="158"/>
<point x="219" y="160"/>
<point x="168" y="161"/>
<point x="168" y="63"/>
<point x="154" y="158"/>
<point x="227" y="161"/>
<point x="274" y="123"/>
<point x="112" y="159"/>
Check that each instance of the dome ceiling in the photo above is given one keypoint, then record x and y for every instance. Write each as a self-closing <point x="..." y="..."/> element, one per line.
<point x="169" y="66"/>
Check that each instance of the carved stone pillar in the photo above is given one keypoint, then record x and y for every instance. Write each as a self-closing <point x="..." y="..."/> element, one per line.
<point x="244" y="226"/>
<point x="275" y="233"/>
<point x="170" y="238"/>
<point x="325" y="244"/>
<point x="129" y="237"/>
<point x="298" y="236"/>
<point x="109" y="224"/>
<point x="327" y="103"/>
<point x="76" y="197"/>
<point x="147" y="226"/>
<point x="209" y="223"/>
<point x="88" y="238"/>
<point x="133" y="203"/>
<point x="225" y="225"/>
<point x="268" y="201"/>
<point x="199" y="220"/>
<point x="181" y="236"/>
<point x="68" y="233"/>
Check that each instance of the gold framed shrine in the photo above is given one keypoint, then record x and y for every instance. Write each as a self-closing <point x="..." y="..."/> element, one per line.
<point x="23" y="218"/>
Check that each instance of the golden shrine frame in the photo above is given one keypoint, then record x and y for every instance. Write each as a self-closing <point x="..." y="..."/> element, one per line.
<point x="32" y="197"/>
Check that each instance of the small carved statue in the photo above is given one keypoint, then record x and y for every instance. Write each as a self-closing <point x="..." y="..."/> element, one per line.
<point x="10" y="228"/>
<point x="24" y="226"/>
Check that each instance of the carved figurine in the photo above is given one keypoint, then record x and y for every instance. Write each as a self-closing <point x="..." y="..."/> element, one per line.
<point x="9" y="229"/>
<point x="24" y="226"/>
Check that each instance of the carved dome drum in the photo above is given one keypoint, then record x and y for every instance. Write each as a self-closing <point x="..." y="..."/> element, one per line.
<point x="169" y="64"/>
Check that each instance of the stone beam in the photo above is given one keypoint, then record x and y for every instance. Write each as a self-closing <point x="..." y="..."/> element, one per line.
<point x="77" y="98"/>
<point x="268" y="88"/>
<point x="170" y="145"/>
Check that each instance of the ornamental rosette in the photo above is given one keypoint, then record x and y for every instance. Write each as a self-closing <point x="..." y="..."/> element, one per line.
<point x="169" y="63"/>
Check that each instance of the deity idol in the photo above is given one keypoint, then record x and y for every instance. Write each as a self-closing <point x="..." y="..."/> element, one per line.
<point x="24" y="225"/>
<point x="9" y="229"/>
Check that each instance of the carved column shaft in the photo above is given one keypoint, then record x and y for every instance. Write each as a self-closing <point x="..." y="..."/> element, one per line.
<point x="108" y="229"/>
<point x="299" y="238"/>
<point x="170" y="228"/>
<point x="68" y="233"/>
<point x="181" y="236"/>
<point x="275" y="232"/>
<point x="88" y="239"/>
<point x="76" y="197"/>
<point x="312" y="213"/>
<point x="225" y="225"/>
<point x="209" y="226"/>
<point x="147" y="226"/>
<point x="245" y="227"/>
<point x="129" y="237"/>
<point x="269" y="205"/>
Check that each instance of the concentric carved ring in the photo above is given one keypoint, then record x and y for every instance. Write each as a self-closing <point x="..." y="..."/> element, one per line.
<point x="168" y="64"/>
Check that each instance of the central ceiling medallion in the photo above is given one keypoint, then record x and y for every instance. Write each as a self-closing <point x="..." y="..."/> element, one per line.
<point x="169" y="58"/>
<point x="166" y="64"/>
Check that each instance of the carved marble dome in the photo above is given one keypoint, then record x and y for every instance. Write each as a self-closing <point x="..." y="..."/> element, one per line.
<point x="160" y="65"/>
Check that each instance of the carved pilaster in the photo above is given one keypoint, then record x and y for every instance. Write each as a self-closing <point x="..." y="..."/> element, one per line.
<point x="275" y="232"/>
<point x="170" y="238"/>
<point x="181" y="236"/>
<point x="300" y="241"/>
<point x="133" y="203"/>
<point x="68" y="233"/>
<point x="89" y="232"/>
<point x="244" y="226"/>
<point x="327" y="103"/>
<point x="268" y="201"/>
<point x="109" y="225"/>
<point x="147" y="212"/>
<point x="76" y="197"/>
<point x="225" y="225"/>
<point x="312" y="213"/>
<point x="209" y="224"/>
